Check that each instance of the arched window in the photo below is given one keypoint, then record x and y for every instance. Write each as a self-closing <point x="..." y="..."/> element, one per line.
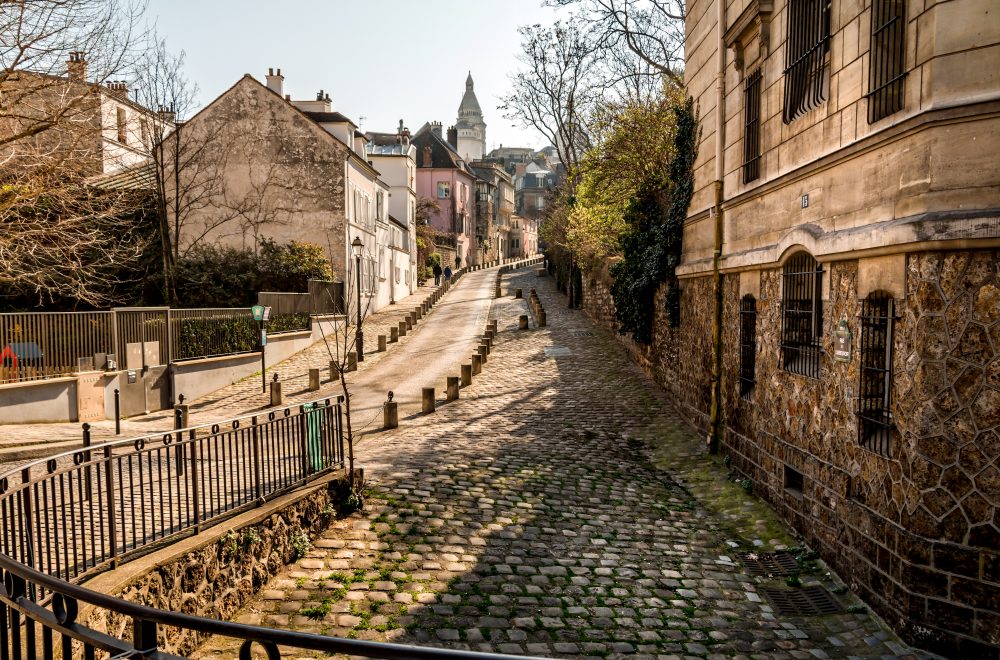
<point x="801" y="315"/>
<point x="875" y="389"/>
<point x="748" y="345"/>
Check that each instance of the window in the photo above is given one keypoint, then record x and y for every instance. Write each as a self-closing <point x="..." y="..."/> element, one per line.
<point x="805" y="56"/>
<point x="801" y="315"/>
<point x="875" y="390"/>
<point x="886" y="73"/>
<point x="122" y="126"/>
<point x="144" y="133"/>
<point x="379" y="205"/>
<point x="748" y="345"/>
<point x="751" y="127"/>
<point x="444" y="190"/>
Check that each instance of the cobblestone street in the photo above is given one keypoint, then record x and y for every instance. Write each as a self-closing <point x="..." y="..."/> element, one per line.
<point x="559" y="508"/>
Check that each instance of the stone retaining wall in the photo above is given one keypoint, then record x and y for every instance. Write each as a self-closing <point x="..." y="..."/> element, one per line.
<point x="216" y="573"/>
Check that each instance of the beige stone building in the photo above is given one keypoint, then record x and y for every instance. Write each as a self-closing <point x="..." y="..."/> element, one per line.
<point x="846" y="225"/>
<point x="839" y="335"/>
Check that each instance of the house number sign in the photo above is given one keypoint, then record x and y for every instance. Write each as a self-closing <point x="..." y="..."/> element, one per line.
<point x="842" y="343"/>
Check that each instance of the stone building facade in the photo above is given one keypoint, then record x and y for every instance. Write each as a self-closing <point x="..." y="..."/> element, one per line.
<point x="846" y="226"/>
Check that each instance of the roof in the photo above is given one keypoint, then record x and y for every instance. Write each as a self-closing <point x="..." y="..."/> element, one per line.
<point x="141" y="177"/>
<point x="535" y="168"/>
<point x="469" y="100"/>
<point x="392" y="218"/>
<point x="443" y="155"/>
<point x="328" y="118"/>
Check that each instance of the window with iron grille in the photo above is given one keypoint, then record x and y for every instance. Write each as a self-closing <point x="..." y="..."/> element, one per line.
<point x="886" y="72"/>
<point x="751" y="126"/>
<point x="875" y="390"/>
<point x="748" y="345"/>
<point x="806" y="47"/>
<point x="802" y="315"/>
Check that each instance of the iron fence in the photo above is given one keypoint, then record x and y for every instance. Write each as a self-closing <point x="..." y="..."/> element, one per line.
<point x="68" y="516"/>
<point x="38" y="345"/>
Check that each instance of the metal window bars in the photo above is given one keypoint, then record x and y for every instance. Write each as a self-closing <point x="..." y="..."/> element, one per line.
<point x="748" y="345"/>
<point x="806" y="47"/>
<point x="802" y="315"/>
<point x="751" y="126"/>
<point x="887" y="59"/>
<point x="875" y="424"/>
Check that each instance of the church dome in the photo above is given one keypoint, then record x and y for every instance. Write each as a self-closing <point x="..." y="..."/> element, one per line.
<point x="470" y="104"/>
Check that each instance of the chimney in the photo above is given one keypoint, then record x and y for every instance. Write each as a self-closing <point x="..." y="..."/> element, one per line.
<point x="276" y="82"/>
<point x="453" y="136"/>
<point x="118" y="89"/>
<point x="167" y="114"/>
<point x="436" y="128"/>
<point x="427" y="160"/>
<point x="76" y="66"/>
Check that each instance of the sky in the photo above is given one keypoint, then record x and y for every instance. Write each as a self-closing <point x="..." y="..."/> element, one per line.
<point x="379" y="60"/>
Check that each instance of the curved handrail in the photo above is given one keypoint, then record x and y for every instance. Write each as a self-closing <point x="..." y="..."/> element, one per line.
<point x="146" y="614"/>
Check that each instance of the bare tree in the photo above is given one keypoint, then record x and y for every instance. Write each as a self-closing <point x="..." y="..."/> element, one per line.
<point x="653" y="30"/>
<point x="66" y="236"/>
<point x="557" y="90"/>
<point x="186" y="166"/>
<point x="341" y="340"/>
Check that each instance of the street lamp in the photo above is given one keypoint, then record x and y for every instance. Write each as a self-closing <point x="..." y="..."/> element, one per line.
<point x="359" y="341"/>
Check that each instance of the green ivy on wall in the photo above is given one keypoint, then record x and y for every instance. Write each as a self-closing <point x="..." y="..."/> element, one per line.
<point x="651" y="248"/>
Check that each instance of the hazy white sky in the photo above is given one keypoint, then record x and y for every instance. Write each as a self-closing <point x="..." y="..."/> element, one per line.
<point x="383" y="60"/>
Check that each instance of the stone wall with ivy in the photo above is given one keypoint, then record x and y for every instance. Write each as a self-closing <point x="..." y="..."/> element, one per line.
<point x="916" y="532"/>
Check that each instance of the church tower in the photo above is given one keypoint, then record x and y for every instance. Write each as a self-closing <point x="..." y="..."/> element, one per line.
<point x="471" y="144"/>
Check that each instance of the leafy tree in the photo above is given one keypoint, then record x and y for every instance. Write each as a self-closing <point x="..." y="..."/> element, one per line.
<point x="651" y="247"/>
<point x="289" y="267"/>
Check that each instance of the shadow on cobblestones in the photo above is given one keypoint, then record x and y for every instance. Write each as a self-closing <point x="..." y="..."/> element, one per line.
<point x="527" y="518"/>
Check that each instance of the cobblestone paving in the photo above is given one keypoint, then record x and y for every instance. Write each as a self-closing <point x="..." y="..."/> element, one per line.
<point x="241" y="398"/>
<point x="528" y="517"/>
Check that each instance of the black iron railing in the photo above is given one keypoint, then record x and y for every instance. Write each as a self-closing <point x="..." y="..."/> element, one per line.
<point x="66" y="517"/>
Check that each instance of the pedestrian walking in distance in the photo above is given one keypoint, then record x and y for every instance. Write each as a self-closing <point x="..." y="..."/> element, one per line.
<point x="437" y="274"/>
<point x="447" y="273"/>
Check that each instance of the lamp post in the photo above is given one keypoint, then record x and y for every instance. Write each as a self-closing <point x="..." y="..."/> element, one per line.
<point x="359" y="340"/>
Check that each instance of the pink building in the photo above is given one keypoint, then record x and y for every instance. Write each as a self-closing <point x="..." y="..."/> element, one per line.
<point x="442" y="175"/>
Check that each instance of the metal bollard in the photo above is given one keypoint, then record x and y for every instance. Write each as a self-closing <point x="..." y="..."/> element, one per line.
<point x="483" y="352"/>
<point x="541" y="318"/>
<point x="334" y="371"/>
<point x="413" y="318"/>
<point x="275" y="391"/>
<point x="522" y="322"/>
<point x="393" y="334"/>
<point x="382" y="344"/>
<point x="427" y="400"/>
<point x="517" y="293"/>
<point x="390" y="415"/>
<point x="409" y="322"/>
<point x="466" y="375"/>
<point x="352" y="361"/>
<point x="313" y="380"/>
<point x="118" y="412"/>
<point x="418" y="313"/>
<point x="402" y="328"/>
<point x="452" y="388"/>
<point x="477" y="364"/>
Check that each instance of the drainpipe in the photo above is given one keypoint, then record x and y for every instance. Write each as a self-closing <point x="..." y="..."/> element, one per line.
<point x="715" y="411"/>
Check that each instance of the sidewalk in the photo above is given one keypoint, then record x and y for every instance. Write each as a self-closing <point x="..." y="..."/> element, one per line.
<point x="22" y="442"/>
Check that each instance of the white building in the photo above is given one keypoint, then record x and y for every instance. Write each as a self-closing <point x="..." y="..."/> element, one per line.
<point x="471" y="144"/>
<point x="394" y="156"/>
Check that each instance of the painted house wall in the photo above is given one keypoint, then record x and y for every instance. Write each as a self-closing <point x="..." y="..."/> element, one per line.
<point x="461" y="201"/>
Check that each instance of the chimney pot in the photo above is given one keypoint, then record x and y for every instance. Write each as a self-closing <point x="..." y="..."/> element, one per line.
<point x="76" y="67"/>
